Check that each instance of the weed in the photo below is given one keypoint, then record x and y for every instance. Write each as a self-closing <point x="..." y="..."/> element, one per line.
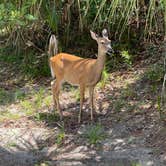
<point x="27" y="107"/>
<point x="60" y="137"/>
<point x="94" y="134"/>
<point x="48" y="101"/>
<point x="45" y="117"/>
<point x="38" y="98"/>
<point x="12" y="144"/>
<point x="105" y="77"/>
<point x="19" y="95"/>
<point x="8" y="115"/>
<point x="45" y="163"/>
<point x="76" y="93"/>
<point x="119" y="104"/>
<point x="128" y="92"/>
<point x="153" y="88"/>
<point x="127" y="58"/>
<point x="155" y="73"/>
<point x="135" y="164"/>
<point x="5" y="96"/>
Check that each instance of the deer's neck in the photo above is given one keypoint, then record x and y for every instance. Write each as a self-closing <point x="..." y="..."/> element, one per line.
<point x="99" y="66"/>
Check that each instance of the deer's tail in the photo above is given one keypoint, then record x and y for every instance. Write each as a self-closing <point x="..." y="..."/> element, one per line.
<point x="53" y="46"/>
<point x="52" y="50"/>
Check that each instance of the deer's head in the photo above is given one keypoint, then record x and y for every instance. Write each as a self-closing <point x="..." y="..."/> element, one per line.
<point x="104" y="44"/>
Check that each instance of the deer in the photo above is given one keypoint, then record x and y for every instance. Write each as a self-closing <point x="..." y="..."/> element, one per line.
<point x="82" y="72"/>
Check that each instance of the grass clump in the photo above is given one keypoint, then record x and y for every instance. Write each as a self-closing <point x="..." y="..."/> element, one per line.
<point x="94" y="134"/>
<point x="19" y="95"/>
<point x="5" y="97"/>
<point x="119" y="104"/>
<point x="8" y="115"/>
<point x="127" y="58"/>
<point x="27" y="107"/>
<point x="39" y="116"/>
<point x="60" y="137"/>
<point x="155" y="73"/>
<point x="104" y="79"/>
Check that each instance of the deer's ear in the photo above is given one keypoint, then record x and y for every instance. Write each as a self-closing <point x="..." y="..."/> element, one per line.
<point x="105" y="33"/>
<point x="93" y="35"/>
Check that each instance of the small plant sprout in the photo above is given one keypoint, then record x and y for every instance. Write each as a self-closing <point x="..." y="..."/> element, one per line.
<point x="94" y="134"/>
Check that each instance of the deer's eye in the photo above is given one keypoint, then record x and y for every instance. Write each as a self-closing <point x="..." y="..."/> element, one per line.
<point x="102" y="42"/>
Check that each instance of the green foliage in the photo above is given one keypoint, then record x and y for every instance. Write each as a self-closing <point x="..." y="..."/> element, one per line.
<point x="8" y="115"/>
<point x="119" y="104"/>
<point x="135" y="164"/>
<point x="127" y="58"/>
<point x="155" y="73"/>
<point x="60" y="136"/>
<point x="38" y="98"/>
<point x="4" y="98"/>
<point x="31" y="106"/>
<point x="47" y="101"/>
<point x="27" y="107"/>
<point x="19" y="95"/>
<point x="43" y="163"/>
<point x="105" y="77"/>
<point x="128" y="92"/>
<point x="46" y="117"/>
<point x="94" y="134"/>
<point x="51" y="14"/>
<point x="33" y="66"/>
<point x="11" y="15"/>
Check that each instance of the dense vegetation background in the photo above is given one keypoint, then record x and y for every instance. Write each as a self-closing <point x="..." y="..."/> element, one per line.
<point x="135" y="27"/>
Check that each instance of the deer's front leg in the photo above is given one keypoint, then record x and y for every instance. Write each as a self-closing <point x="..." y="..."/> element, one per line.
<point x="82" y="89"/>
<point x="91" y="95"/>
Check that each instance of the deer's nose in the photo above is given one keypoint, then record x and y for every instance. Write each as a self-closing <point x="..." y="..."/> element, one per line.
<point x="110" y="50"/>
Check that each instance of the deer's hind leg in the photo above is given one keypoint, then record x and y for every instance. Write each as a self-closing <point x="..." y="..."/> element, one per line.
<point x="56" y="85"/>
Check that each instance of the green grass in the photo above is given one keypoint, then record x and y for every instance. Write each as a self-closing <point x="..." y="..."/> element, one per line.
<point x="11" y="144"/>
<point x="119" y="104"/>
<point x="47" y="117"/>
<point x="5" y="96"/>
<point x="27" y="107"/>
<point x="155" y="73"/>
<point x="61" y="136"/>
<point x="136" y="164"/>
<point x="8" y="115"/>
<point x="75" y="92"/>
<point x="104" y="79"/>
<point x="19" y="95"/>
<point x="43" y="163"/>
<point x="47" y="101"/>
<point x="29" y="104"/>
<point x="94" y="134"/>
<point x="38" y="100"/>
<point x="128" y="92"/>
<point x="127" y="58"/>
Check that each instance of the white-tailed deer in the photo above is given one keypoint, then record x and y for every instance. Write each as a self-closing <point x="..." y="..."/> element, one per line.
<point x="78" y="71"/>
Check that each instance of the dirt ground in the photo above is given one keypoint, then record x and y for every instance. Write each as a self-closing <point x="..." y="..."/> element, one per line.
<point x="126" y="108"/>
